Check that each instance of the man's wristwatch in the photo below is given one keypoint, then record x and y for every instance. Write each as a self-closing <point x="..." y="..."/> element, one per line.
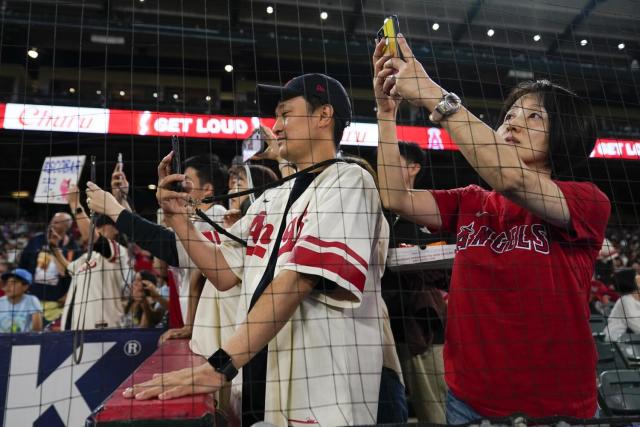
<point x="222" y="363"/>
<point x="448" y="105"/>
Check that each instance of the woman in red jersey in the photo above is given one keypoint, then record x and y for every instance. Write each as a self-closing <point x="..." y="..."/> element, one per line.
<point x="518" y="338"/>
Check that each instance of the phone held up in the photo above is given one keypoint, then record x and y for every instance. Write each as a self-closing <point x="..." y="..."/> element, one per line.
<point x="176" y="163"/>
<point x="389" y="32"/>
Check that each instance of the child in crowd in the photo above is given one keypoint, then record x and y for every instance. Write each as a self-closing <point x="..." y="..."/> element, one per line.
<point x="19" y="312"/>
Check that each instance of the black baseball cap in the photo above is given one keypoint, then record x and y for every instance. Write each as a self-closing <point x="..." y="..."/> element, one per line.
<point x="315" y="85"/>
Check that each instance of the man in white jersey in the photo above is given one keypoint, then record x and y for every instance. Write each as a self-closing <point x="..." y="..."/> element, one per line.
<point x="309" y="336"/>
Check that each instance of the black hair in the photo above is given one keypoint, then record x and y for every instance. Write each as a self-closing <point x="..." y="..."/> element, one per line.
<point x="624" y="280"/>
<point x="147" y="275"/>
<point x="572" y="125"/>
<point x="210" y="170"/>
<point x="260" y="175"/>
<point x="413" y="154"/>
<point x="339" y="124"/>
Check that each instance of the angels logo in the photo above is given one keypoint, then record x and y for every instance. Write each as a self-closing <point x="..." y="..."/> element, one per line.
<point x="435" y="139"/>
<point x="531" y="237"/>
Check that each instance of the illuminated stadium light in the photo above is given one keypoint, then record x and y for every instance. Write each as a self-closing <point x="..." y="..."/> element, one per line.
<point x="33" y="53"/>
<point x="72" y="90"/>
<point x="175" y="96"/>
<point x="269" y="10"/>
<point x="151" y="186"/>
<point x="21" y="194"/>
<point x="536" y="38"/>
<point x="435" y="26"/>
<point x="207" y="98"/>
<point x="621" y="46"/>
<point x="155" y="94"/>
<point x="583" y="42"/>
<point x="122" y="93"/>
<point x="228" y="68"/>
<point x="491" y="32"/>
<point x="98" y="92"/>
<point x="324" y="15"/>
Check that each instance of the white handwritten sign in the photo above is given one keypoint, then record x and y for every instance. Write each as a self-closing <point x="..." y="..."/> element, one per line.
<point x="57" y="175"/>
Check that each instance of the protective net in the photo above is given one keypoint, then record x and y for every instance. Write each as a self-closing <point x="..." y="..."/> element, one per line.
<point x="439" y="227"/>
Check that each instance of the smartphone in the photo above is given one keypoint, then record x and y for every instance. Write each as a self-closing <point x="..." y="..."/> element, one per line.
<point x="92" y="173"/>
<point x="176" y="162"/>
<point x="389" y="32"/>
<point x="254" y="144"/>
<point x="120" y="162"/>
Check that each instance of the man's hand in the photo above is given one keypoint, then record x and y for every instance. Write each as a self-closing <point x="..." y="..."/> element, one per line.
<point x="102" y="202"/>
<point x="119" y="183"/>
<point x="176" y="334"/>
<point x="54" y="238"/>
<point x="406" y="79"/>
<point x="173" y="204"/>
<point x="185" y="382"/>
<point x="73" y="197"/>
<point x="151" y="289"/>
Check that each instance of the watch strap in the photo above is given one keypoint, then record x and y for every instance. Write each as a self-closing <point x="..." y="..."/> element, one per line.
<point x="221" y="362"/>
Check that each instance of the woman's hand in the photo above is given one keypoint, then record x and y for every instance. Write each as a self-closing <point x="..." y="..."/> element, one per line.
<point x="151" y="288"/>
<point x="119" y="183"/>
<point x="386" y="105"/>
<point x="102" y="202"/>
<point x="176" y="334"/>
<point x="408" y="80"/>
<point x="185" y="382"/>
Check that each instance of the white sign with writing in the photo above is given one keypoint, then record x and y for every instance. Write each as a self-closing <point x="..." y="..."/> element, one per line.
<point x="57" y="175"/>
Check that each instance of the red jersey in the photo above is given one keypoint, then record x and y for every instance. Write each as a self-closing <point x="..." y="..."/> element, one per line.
<point x="518" y="336"/>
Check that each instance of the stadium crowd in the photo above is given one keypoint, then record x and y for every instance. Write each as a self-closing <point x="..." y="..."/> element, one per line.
<point x="115" y="269"/>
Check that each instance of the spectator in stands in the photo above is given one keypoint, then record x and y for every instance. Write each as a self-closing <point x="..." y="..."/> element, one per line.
<point x="50" y="284"/>
<point x="95" y="296"/>
<point x="417" y="308"/>
<point x="19" y="311"/>
<point x="518" y="337"/>
<point x="244" y="177"/>
<point x="148" y="303"/>
<point x="293" y="371"/>
<point x="625" y="316"/>
<point x="205" y="176"/>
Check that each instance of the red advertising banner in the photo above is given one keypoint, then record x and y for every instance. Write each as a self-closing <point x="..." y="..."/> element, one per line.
<point x="30" y="117"/>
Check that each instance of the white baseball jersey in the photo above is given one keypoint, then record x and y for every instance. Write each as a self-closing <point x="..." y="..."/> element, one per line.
<point x="216" y="213"/>
<point x="97" y="286"/>
<point x="324" y="365"/>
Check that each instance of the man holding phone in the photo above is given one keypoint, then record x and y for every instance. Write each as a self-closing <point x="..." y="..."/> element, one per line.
<point x="309" y="337"/>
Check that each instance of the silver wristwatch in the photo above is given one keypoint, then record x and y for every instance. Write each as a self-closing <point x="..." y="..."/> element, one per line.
<point x="448" y="105"/>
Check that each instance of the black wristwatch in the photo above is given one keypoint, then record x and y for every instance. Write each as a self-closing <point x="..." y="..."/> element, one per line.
<point x="222" y="363"/>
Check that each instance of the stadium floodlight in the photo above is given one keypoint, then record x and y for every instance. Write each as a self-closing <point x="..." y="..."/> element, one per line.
<point x="269" y="10"/>
<point x="435" y="26"/>
<point x="33" y="53"/>
<point x="228" y="68"/>
<point x="491" y="32"/>
<point x="122" y="93"/>
<point x="621" y="46"/>
<point x="536" y="38"/>
<point x="583" y="42"/>
<point x="324" y="15"/>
